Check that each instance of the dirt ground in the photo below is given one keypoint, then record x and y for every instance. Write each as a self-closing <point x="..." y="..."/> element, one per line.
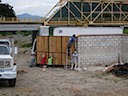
<point x="61" y="82"/>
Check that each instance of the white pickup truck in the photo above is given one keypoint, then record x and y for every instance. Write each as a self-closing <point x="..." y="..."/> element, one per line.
<point x="7" y="65"/>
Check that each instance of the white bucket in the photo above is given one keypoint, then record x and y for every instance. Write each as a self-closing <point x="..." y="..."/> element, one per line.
<point x="16" y="50"/>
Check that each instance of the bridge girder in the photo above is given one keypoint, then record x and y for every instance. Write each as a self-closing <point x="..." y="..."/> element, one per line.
<point x="88" y="12"/>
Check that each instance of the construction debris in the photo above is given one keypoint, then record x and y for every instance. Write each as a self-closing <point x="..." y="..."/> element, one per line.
<point x="118" y="69"/>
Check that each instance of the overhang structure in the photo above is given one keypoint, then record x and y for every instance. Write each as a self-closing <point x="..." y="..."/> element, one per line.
<point x="88" y="12"/>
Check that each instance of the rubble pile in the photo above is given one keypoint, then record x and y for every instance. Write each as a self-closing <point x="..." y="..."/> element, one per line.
<point x="118" y="69"/>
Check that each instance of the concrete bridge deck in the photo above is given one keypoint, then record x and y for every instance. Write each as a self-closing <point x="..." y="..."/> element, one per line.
<point x="19" y="27"/>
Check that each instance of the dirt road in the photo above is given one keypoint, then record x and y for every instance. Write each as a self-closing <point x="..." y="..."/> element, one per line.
<point x="60" y="82"/>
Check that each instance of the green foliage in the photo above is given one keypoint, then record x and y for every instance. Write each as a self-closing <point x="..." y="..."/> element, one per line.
<point x="26" y="45"/>
<point x="9" y="33"/>
<point x="125" y="31"/>
<point x="24" y="33"/>
<point x="12" y="33"/>
<point x="16" y="42"/>
<point x="1" y="35"/>
<point x="6" y="10"/>
<point x="6" y="33"/>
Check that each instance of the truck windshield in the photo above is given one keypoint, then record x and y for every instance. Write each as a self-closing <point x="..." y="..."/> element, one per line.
<point x="4" y="43"/>
<point x="4" y="50"/>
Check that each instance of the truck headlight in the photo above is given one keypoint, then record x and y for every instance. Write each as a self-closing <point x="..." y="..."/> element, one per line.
<point x="7" y="63"/>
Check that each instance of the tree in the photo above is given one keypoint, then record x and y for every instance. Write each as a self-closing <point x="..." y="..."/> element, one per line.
<point x="6" y="10"/>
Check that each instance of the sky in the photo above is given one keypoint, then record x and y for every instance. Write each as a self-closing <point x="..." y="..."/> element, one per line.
<point x="33" y="7"/>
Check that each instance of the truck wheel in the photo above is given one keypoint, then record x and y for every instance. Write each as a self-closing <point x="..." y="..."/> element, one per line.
<point x="12" y="82"/>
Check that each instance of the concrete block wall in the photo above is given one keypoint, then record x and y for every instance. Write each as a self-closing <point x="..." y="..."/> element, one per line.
<point x="101" y="49"/>
<point x="124" y="47"/>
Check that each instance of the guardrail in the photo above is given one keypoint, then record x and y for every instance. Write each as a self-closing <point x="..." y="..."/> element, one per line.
<point x="16" y="20"/>
<point x="63" y="21"/>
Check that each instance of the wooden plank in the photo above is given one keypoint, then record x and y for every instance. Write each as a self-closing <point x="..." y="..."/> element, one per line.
<point x="42" y="44"/>
<point x="55" y="44"/>
<point x="39" y="57"/>
<point x="63" y="58"/>
<point x="65" y="40"/>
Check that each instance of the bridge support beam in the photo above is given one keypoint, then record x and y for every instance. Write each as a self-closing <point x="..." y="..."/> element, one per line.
<point x="88" y="12"/>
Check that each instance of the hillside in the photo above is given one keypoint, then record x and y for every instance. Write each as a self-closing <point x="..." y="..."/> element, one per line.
<point x="26" y="15"/>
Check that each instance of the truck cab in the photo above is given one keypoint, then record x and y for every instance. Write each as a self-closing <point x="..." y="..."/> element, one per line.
<point x="7" y="65"/>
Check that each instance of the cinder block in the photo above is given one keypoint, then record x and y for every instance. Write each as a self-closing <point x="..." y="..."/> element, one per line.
<point x="102" y="49"/>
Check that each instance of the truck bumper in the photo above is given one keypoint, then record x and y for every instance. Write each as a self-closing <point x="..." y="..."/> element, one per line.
<point x="10" y="74"/>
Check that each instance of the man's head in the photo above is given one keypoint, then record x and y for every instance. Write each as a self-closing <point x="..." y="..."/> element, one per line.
<point x="75" y="52"/>
<point x="74" y="35"/>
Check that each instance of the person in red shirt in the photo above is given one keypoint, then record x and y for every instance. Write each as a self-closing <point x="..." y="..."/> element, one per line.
<point x="43" y="61"/>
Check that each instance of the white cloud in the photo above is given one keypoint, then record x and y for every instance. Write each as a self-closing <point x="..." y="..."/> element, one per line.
<point x="34" y="7"/>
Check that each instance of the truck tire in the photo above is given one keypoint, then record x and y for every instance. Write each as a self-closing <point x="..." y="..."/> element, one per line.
<point x="12" y="82"/>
